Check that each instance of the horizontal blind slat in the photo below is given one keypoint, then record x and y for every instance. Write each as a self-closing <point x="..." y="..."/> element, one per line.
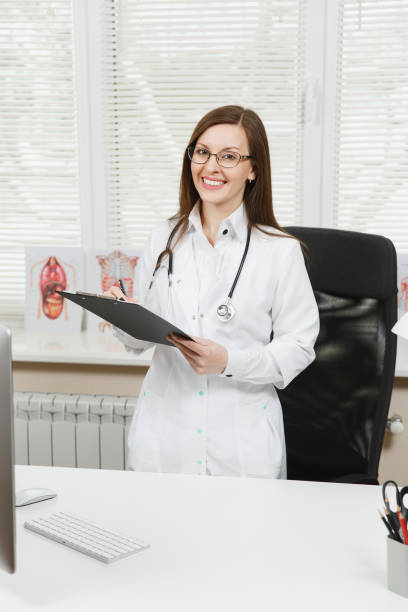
<point x="38" y="150"/>
<point x="164" y="68"/>
<point x="371" y="165"/>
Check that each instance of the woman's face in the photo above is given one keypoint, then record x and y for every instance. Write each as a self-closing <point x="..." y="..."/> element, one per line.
<point x="215" y="184"/>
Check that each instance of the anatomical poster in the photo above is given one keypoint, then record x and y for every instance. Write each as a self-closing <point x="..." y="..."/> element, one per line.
<point x="104" y="268"/>
<point x="402" y="284"/>
<point x="48" y="270"/>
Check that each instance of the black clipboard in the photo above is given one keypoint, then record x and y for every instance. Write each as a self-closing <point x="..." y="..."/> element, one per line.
<point x="131" y="318"/>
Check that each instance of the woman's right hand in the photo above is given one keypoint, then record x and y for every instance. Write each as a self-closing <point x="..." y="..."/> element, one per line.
<point x="117" y="292"/>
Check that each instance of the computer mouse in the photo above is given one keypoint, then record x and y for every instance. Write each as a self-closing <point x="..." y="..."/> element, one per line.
<point x="32" y="496"/>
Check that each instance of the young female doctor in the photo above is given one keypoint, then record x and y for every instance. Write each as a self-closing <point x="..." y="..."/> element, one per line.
<point x="224" y="272"/>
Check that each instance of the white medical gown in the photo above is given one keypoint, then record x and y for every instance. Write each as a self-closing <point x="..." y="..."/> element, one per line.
<point x="231" y="423"/>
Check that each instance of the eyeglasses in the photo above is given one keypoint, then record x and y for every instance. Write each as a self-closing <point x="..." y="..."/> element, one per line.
<point x="225" y="158"/>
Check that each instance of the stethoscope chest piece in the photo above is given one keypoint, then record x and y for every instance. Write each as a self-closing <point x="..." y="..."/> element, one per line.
<point x="226" y="311"/>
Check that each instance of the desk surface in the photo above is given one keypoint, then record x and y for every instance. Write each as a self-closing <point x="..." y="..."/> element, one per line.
<point x="104" y="349"/>
<point x="219" y="544"/>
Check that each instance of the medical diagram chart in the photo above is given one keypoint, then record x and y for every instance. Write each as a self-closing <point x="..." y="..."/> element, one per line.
<point x="48" y="270"/>
<point x="104" y="268"/>
<point x="402" y="285"/>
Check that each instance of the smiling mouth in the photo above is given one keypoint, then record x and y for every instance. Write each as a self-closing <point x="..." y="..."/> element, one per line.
<point x="213" y="183"/>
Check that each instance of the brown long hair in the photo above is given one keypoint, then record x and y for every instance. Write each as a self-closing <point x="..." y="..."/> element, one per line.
<point x="257" y="194"/>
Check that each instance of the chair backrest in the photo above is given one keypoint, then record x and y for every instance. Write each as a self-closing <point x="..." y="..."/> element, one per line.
<point x="335" y="411"/>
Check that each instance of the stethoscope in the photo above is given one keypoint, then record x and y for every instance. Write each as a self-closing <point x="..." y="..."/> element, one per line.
<point x="225" y="311"/>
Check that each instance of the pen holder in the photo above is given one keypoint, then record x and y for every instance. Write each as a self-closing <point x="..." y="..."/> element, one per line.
<point x="397" y="567"/>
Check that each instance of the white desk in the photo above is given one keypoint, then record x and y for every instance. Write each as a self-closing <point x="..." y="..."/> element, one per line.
<point x="217" y="544"/>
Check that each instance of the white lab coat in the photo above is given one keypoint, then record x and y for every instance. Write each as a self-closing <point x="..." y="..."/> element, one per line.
<point x="231" y="423"/>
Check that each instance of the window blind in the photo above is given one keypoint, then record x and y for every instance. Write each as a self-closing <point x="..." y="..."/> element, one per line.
<point x="39" y="191"/>
<point x="371" y="165"/>
<point x="168" y="62"/>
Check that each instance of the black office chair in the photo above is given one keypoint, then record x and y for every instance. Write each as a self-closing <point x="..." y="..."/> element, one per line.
<point x="335" y="411"/>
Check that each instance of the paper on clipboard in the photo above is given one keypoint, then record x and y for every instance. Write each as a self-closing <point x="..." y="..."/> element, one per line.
<point x="131" y="318"/>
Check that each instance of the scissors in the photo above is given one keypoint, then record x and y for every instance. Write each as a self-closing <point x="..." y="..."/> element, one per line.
<point x="399" y="501"/>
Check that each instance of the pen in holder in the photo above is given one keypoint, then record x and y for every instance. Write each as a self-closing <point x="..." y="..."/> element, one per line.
<point x="397" y="567"/>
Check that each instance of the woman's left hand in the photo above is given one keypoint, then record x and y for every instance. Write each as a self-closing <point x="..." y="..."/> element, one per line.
<point x="204" y="356"/>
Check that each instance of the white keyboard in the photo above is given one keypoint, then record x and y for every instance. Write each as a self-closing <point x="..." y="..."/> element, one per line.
<point x="85" y="537"/>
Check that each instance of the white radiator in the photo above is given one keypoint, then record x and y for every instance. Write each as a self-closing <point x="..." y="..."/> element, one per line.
<point x="72" y="430"/>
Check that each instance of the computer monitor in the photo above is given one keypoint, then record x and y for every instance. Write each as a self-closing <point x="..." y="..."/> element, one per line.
<point x="7" y="511"/>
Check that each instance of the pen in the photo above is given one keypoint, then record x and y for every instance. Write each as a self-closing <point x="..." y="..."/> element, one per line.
<point x="396" y="531"/>
<point x="122" y="286"/>
<point x="384" y="520"/>
<point x="403" y="525"/>
<point x="391" y="515"/>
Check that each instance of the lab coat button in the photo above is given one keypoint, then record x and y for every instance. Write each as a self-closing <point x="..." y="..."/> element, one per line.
<point x="201" y="315"/>
<point x="193" y="317"/>
<point x="225" y="231"/>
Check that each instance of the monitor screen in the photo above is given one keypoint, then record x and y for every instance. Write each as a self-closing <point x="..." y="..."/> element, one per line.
<point x="7" y="511"/>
